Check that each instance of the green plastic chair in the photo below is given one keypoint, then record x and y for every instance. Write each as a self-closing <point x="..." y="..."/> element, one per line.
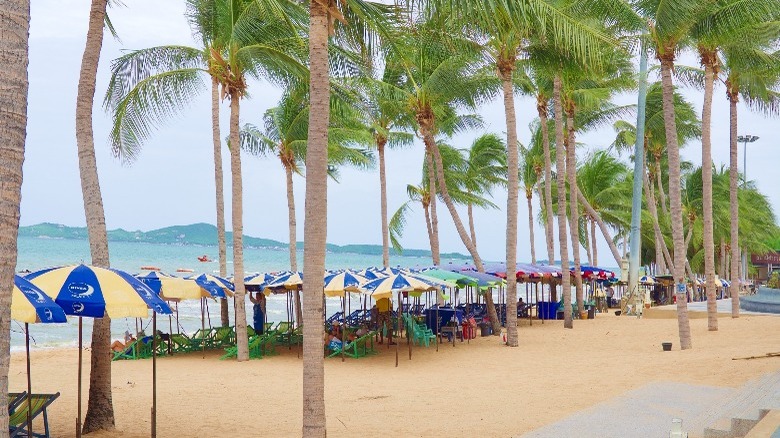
<point x="259" y="346"/>
<point x="17" y="420"/>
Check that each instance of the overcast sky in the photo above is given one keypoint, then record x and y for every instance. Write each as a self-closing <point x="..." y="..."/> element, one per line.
<point x="172" y="182"/>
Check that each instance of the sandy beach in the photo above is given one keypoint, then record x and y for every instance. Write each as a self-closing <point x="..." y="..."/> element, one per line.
<point x="478" y="389"/>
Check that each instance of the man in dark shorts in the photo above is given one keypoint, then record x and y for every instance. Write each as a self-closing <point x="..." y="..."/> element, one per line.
<point x="384" y="320"/>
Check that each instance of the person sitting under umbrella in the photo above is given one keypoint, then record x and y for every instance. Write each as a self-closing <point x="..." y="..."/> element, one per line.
<point x="118" y="346"/>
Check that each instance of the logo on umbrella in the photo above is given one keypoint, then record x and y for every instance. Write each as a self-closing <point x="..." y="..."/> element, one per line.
<point x="48" y="314"/>
<point x="78" y="308"/>
<point x="80" y="290"/>
<point x="33" y="294"/>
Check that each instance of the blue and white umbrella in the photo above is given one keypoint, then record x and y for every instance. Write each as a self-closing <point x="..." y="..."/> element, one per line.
<point x="287" y="281"/>
<point x="337" y="284"/>
<point x="217" y="287"/>
<point x="257" y="282"/>
<point x="29" y="304"/>
<point x="91" y="291"/>
<point x="384" y="287"/>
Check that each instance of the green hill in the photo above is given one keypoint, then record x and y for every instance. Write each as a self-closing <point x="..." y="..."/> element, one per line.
<point x="197" y="234"/>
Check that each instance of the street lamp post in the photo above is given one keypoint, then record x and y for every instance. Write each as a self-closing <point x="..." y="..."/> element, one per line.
<point x="745" y="139"/>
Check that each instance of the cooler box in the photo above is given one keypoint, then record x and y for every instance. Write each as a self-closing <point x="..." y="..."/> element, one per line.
<point x="547" y="309"/>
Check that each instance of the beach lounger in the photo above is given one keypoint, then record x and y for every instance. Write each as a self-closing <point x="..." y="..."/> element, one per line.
<point x="259" y="346"/>
<point x="360" y="347"/>
<point x="14" y="398"/>
<point x="180" y="343"/>
<point x="203" y="338"/>
<point x="224" y="337"/>
<point x="138" y="349"/>
<point x="250" y="331"/>
<point x="17" y="421"/>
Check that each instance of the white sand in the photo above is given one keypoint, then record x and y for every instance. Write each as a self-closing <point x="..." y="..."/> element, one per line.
<point x="479" y="389"/>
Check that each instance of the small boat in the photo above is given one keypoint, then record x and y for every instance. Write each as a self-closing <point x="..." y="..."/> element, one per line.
<point x="150" y="268"/>
<point x="204" y="258"/>
<point x="185" y="270"/>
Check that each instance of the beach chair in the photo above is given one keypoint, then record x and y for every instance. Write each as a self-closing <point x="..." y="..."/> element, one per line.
<point x="360" y="347"/>
<point x="180" y="343"/>
<point x="250" y="331"/>
<point x="17" y="421"/>
<point x="263" y="345"/>
<point x="138" y="349"/>
<point x="203" y="338"/>
<point x="419" y="333"/>
<point x="268" y="327"/>
<point x="13" y="400"/>
<point x="224" y="337"/>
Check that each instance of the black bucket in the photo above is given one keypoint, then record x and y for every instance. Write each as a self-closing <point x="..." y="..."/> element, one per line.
<point x="618" y="312"/>
<point x="667" y="346"/>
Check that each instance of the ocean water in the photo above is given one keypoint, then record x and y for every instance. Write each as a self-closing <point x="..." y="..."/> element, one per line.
<point x="38" y="253"/>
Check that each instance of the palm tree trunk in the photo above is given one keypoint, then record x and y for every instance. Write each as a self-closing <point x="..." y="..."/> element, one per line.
<point x="587" y="244"/>
<point x="688" y="238"/>
<point x="315" y="225"/>
<point x="560" y="171"/>
<point x="432" y="204"/>
<point x="593" y="239"/>
<point x="602" y="226"/>
<point x="529" y="202"/>
<point x="505" y="67"/>
<point x="734" y="204"/>
<point x="541" y="106"/>
<point x="380" y="146"/>
<point x="427" y="211"/>
<point x="464" y="237"/>
<point x="242" y="341"/>
<point x="100" y="409"/>
<point x="722" y="272"/>
<point x="219" y="184"/>
<point x="15" y="19"/>
<point x="675" y="200"/>
<point x="662" y="252"/>
<point x="571" y="170"/>
<point x="706" y="176"/>
<point x="472" y="229"/>
<point x="660" y="184"/>
<point x="293" y="240"/>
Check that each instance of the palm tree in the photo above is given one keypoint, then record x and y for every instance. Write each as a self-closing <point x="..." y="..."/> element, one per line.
<point x="486" y="169"/>
<point x="358" y="20"/>
<point x="532" y="161"/>
<point x="399" y="219"/>
<point x="384" y="116"/>
<point x="15" y="19"/>
<point x="601" y="182"/>
<point x="256" y="38"/>
<point x="560" y="168"/>
<point x="670" y="24"/>
<point x="753" y="74"/>
<point x="100" y="410"/>
<point x="284" y="136"/>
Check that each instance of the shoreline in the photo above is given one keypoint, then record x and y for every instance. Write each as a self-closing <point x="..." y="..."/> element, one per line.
<point x="473" y="388"/>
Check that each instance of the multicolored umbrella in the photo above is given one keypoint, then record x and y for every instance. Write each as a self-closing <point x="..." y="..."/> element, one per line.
<point x="339" y="283"/>
<point x="31" y="305"/>
<point x="384" y="287"/>
<point x="647" y="280"/>
<point x="288" y="281"/>
<point x="217" y="287"/>
<point x="256" y="282"/>
<point x="172" y="288"/>
<point x="90" y="291"/>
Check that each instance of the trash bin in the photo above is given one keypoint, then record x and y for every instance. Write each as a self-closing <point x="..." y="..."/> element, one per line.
<point x="547" y="309"/>
<point x="484" y="329"/>
<point x="591" y="312"/>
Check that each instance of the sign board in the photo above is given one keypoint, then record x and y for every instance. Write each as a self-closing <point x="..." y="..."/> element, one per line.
<point x="681" y="288"/>
<point x="770" y="258"/>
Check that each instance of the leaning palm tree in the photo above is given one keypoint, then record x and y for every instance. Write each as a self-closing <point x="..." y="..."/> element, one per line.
<point x="15" y="19"/>
<point x="486" y="169"/>
<point x="284" y="136"/>
<point x="256" y="38"/>
<point x="358" y="21"/>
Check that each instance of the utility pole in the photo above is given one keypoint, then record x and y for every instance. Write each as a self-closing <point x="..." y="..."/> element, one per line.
<point x="639" y="168"/>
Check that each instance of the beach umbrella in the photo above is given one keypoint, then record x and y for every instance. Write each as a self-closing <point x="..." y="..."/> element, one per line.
<point x="256" y="282"/>
<point x="90" y="291"/>
<point x="31" y="305"/>
<point x="337" y="284"/>
<point x="172" y="288"/>
<point x="217" y="287"/>
<point x="287" y="280"/>
<point x="647" y="280"/>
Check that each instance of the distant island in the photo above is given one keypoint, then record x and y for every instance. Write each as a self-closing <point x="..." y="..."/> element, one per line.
<point x="201" y="234"/>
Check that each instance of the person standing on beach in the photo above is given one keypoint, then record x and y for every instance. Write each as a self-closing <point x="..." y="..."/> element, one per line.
<point x="259" y="311"/>
<point x="385" y="320"/>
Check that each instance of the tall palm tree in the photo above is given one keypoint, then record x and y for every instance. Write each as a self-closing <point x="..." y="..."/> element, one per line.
<point x="670" y="25"/>
<point x="359" y="23"/>
<point x="753" y="73"/>
<point x="531" y="162"/>
<point x="560" y="169"/>
<point x="14" y="44"/>
<point x="100" y="410"/>
<point x="250" y="38"/>
<point x="284" y="136"/>
<point x="388" y="123"/>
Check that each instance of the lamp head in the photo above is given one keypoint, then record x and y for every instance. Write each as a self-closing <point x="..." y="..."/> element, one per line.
<point x="747" y="138"/>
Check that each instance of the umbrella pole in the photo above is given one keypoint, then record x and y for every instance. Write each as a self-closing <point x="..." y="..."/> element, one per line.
<point x="344" y="338"/>
<point x="202" y="328"/>
<point x="208" y="313"/>
<point x="78" y="408"/>
<point x="154" y="374"/>
<point x="29" y="381"/>
<point x="398" y="320"/>
<point x="438" y="326"/>
<point x="409" y="335"/>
